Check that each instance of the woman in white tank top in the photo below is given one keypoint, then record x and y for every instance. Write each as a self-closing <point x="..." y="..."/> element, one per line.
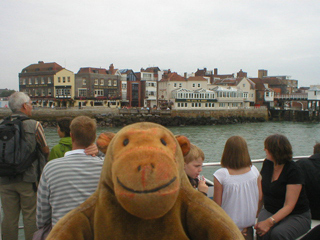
<point x="237" y="185"/>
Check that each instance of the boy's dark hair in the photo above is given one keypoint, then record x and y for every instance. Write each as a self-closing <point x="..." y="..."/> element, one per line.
<point x="64" y="125"/>
<point x="279" y="147"/>
<point x="316" y="148"/>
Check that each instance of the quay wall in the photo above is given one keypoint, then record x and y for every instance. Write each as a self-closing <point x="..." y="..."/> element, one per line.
<point x="118" y="118"/>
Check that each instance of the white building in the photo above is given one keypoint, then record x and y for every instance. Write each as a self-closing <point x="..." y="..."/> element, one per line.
<point x="150" y="77"/>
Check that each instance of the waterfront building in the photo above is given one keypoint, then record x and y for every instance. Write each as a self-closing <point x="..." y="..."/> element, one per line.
<point x="97" y="87"/>
<point x="130" y="80"/>
<point x="314" y="97"/>
<point x="170" y="81"/>
<point x="149" y="78"/>
<point x="264" y="94"/>
<point x="244" y="84"/>
<point x="64" y="88"/>
<point x="212" y="75"/>
<point x="38" y="81"/>
<point x="219" y="97"/>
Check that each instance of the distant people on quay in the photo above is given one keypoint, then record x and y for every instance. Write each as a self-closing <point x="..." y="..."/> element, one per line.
<point x="193" y="166"/>
<point x="65" y="143"/>
<point x="18" y="193"/>
<point x="311" y="171"/>
<point x="237" y="185"/>
<point x="286" y="213"/>
<point x="68" y="181"/>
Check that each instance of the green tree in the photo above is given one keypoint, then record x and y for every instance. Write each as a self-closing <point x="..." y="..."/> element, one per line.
<point x="6" y="93"/>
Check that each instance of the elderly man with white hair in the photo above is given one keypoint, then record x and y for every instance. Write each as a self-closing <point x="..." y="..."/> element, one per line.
<point x="19" y="193"/>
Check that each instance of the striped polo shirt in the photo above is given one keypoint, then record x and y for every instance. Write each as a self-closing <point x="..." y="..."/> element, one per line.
<point x="66" y="183"/>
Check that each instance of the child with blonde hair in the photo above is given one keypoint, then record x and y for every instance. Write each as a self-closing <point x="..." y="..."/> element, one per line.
<point x="237" y="185"/>
<point x="193" y="166"/>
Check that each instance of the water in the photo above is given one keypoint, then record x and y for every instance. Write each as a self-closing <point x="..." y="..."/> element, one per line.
<point x="211" y="139"/>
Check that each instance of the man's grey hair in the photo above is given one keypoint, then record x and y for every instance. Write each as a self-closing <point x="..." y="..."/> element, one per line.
<point x="17" y="99"/>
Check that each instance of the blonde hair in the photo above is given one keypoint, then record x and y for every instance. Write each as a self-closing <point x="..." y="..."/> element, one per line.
<point x="236" y="154"/>
<point x="194" y="153"/>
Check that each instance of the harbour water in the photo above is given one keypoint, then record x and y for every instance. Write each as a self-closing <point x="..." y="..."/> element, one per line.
<point x="211" y="139"/>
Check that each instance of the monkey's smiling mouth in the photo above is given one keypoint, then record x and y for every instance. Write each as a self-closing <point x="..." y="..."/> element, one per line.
<point x="146" y="191"/>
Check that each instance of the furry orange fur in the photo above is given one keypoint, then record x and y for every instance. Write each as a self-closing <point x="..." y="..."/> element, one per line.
<point x="144" y="194"/>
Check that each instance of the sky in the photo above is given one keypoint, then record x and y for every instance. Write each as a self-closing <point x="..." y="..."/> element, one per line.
<point x="282" y="37"/>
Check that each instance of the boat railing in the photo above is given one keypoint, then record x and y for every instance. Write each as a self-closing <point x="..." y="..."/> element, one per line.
<point x="218" y="164"/>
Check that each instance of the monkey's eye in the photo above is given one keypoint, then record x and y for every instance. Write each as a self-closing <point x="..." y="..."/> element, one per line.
<point x="125" y="142"/>
<point x="163" y="142"/>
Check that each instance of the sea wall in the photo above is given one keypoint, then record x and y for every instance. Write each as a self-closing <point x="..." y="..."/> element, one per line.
<point x="114" y="117"/>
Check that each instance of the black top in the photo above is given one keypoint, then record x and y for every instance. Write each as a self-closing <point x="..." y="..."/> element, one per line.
<point x="274" y="193"/>
<point x="311" y="170"/>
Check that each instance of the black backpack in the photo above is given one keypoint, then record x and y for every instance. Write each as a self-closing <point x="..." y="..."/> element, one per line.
<point x="15" y="151"/>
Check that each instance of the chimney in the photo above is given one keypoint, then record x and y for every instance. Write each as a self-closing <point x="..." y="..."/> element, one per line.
<point x="262" y="73"/>
<point x="216" y="71"/>
<point x="185" y="75"/>
<point x="40" y="62"/>
<point x="111" y="67"/>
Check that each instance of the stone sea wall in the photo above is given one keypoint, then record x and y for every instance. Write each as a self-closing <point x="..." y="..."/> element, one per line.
<point x="116" y="118"/>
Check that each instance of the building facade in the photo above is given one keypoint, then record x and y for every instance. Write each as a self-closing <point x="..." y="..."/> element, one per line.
<point x="37" y="80"/>
<point x="97" y="87"/>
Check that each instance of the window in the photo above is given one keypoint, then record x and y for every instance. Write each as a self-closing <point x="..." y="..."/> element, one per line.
<point x="59" y="80"/>
<point x="124" y="85"/>
<point x="82" y="92"/>
<point x="178" y="104"/>
<point x="23" y="81"/>
<point x="96" y="82"/>
<point x="43" y="92"/>
<point x="98" y="92"/>
<point x="199" y="85"/>
<point x="63" y="79"/>
<point x="30" y="81"/>
<point x="245" y="95"/>
<point x="49" y="92"/>
<point x="175" y="85"/>
<point x="222" y="104"/>
<point x="84" y="81"/>
<point x="109" y="83"/>
<point x="42" y="80"/>
<point x="180" y="84"/>
<point x="114" y="83"/>
<point x="101" y="82"/>
<point x="49" y="80"/>
<point x="244" y="85"/>
<point x="36" y="81"/>
<point x="68" y="79"/>
<point x="193" y="85"/>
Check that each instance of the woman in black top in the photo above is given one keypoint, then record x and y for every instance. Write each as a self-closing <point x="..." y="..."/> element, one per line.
<point x="286" y="213"/>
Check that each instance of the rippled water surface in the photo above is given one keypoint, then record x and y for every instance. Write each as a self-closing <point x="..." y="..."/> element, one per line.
<point x="211" y="139"/>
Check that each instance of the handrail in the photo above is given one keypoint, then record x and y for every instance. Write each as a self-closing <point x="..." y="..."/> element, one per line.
<point x="217" y="164"/>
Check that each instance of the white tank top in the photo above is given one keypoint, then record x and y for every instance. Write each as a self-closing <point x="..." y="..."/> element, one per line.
<point x="240" y="195"/>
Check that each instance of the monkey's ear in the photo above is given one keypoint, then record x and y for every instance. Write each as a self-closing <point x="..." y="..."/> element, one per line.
<point x="184" y="144"/>
<point x="104" y="140"/>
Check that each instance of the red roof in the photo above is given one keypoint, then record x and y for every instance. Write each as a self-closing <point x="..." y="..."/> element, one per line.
<point x="197" y="78"/>
<point x="172" y="77"/>
<point x="93" y="70"/>
<point x="42" y="67"/>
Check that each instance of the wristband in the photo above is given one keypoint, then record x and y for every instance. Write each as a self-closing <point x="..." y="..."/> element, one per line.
<point x="273" y="221"/>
